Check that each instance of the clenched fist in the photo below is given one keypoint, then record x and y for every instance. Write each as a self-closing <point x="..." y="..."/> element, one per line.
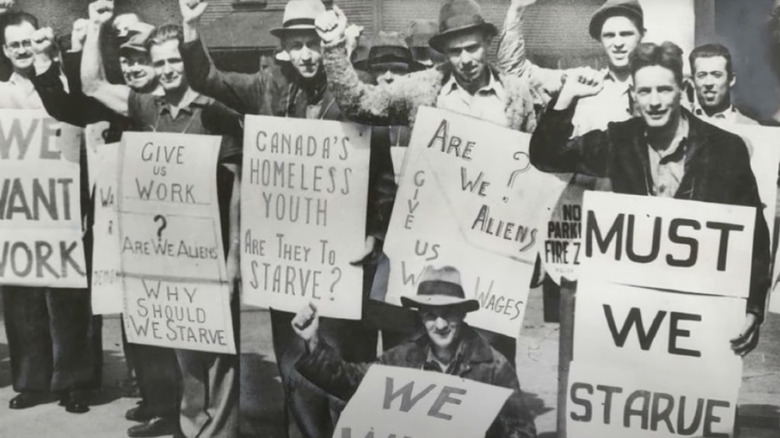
<point x="332" y="25"/>
<point x="306" y="325"/>
<point x="42" y="48"/>
<point x="101" y="11"/>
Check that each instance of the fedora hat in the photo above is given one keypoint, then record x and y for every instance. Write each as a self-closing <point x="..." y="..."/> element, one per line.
<point x="388" y="48"/>
<point x="440" y="288"/>
<point x="628" y="8"/>
<point x="457" y="16"/>
<point x="299" y="15"/>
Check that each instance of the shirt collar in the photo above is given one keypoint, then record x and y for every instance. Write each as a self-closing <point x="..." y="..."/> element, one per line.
<point x="610" y="77"/>
<point x="679" y="142"/>
<point x="731" y="110"/>
<point x="190" y="100"/>
<point x="431" y="363"/>
<point x="494" y="86"/>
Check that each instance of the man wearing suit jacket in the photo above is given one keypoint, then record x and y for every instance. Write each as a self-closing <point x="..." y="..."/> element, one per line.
<point x="666" y="152"/>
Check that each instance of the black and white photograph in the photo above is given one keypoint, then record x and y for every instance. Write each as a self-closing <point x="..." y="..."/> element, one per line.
<point x="390" y="218"/>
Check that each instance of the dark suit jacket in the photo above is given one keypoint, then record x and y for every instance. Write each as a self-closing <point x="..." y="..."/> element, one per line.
<point x="717" y="169"/>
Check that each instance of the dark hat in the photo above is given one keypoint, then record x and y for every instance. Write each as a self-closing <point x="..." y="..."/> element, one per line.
<point x="457" y="16"/>
<point x="629" y="8"/>
<point x="388" y="47"/>
<point x="137" y="40"/>
<point x="440" y="288"/>
<point x="299" y="15"/>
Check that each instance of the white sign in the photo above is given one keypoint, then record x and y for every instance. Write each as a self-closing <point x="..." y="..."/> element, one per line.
<point x="469" y="198"/>
<point x="303" y="200"/>
<point x="41" y="230"/>
<point x="406" y="402"/>
<point x="173" y="266"/>
<point x="667" y="243"/>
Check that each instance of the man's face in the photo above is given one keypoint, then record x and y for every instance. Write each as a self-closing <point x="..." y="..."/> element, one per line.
<point x="712" y="82"/>
<point x="657" y="96"/>
<point x="443" y="325"/>
<point x="18" y="46"/>
<point x="386" y="73"/>
<point x="303" y="48"/>
<point x="168" y="65"/>
<point x="467" y="54"/>
<point x="619" y="36"/>
<point x="137" y="69"/>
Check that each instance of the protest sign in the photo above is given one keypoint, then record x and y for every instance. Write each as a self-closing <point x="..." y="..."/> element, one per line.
<point x="173" y="266"/>
<point x="40" y="199"/>
<point x="412" y="403"/>
<point x="636" y="328"/>
<point x="469" y="198"/>
<point x="303" y="201"/>
<point x="668" y="243"/>
<point x="604" y="400"/>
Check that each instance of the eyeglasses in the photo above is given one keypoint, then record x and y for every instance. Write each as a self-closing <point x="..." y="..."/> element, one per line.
<point x="16" y="45"/>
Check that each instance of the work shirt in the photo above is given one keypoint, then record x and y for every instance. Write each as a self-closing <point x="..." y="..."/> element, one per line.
<point x="667" y="167"/>
<point x="729" y="115"/>
<point x="612" y="104"/>
<point x="196" y="114"/>
<point x="19" y="93"/>
<point x="488" y="103"/>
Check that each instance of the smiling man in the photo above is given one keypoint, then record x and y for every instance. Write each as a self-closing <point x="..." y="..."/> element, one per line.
<point x="665" y="151"/>
<point x="447" y="345"/>
<point x="713" y="79"/>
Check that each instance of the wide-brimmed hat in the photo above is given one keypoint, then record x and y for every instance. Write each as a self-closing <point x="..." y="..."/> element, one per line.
<point x="440" y="288"/>
<point x="299" y="15"/>
<point x="458" y="16"/>
<point x="388" y="48"/>
<point x="629" y="8"/>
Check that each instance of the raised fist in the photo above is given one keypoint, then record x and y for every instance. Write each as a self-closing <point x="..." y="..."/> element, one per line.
<point x="332" y="25"/>
<point x="78" y="34"/>
<point x="6" y="5"/>
<point x="192" y="10"/>
<point x="306" y="325"/>
<point x="101" y="11"/>
<point x="43" y="49"/>
<point x="583" y="82"/>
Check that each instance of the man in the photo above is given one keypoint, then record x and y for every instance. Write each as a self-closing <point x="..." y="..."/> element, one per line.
<point x="49" y="330"/>
<point x="448" y="346"/>
<point x="209" y="404"/>
<point x="666" y="151"/>
<point x="713" y="79"/>
<point x="308" y="97"/>
<point x="466" y="83"/>
<point x="155" y="368"/>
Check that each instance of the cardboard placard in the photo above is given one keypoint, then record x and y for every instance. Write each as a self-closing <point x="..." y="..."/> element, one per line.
<point x="406" y="402"/>
<point x="665" y="243"/>
<point x="41" y="229"/>
<point x="469" y="198"/>
<point x="303" y="200"/>
<point x="173" y="266"/>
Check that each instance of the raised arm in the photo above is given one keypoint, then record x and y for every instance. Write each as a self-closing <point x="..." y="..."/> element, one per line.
<point x="551" y="148"/>
<point x="512" y="58"/>
<point x="322" y="365"/>
<point x="93" y="80"/>
<point x="243" y="92"/>
<point x="384" y="104"/>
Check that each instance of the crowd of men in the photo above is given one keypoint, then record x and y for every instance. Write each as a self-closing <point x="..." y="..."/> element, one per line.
<point x="632" y="127"/>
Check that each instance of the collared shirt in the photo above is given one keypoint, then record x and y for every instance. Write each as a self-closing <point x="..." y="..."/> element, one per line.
<point x="19" y="93"/>
<point x="667" y="167"/>
<point x="453" y="368"/>
<point x="612" y="104"/>
<point x="729" y="115"/>
<point x="488" y="103"/>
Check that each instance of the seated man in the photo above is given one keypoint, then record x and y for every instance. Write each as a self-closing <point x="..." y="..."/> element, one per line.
<point x="448" y="346"/>
<point x="665" y="152"/>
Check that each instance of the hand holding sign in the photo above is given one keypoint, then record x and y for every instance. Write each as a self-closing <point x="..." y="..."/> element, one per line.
<point x="306" y="325"/>
<point x="748" y="337"/>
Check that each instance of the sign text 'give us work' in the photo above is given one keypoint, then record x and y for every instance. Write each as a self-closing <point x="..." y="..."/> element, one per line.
<point x="706" y="249"/>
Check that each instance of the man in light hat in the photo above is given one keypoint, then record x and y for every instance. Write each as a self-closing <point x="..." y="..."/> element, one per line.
<point x="449" y="345"/>
<point x="466" y="83"/>
<point x="308" y="97"/>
